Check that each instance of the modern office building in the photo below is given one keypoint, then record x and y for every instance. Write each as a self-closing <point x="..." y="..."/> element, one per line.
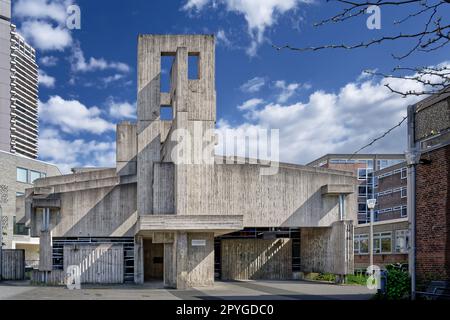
<point x="19" y="90"/>
<point x="164" y="212"/>
<point x="391" y="227"/>
<point x="364" y="166"/>
<point x="18" y="174"/>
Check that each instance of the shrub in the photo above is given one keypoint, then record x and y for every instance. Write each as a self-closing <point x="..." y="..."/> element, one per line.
<point x="398" y="284"/>
<point x="326" y="277"/>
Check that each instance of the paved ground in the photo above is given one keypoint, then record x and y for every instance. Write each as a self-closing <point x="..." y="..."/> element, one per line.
<point x="242" y="290"/>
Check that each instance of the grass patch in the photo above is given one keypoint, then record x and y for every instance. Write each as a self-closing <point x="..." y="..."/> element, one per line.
<point x="358" y="279"/>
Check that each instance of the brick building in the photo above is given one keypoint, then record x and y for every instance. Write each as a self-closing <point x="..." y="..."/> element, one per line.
<point x="430" y="132"/>
<point x="391" y="192"/>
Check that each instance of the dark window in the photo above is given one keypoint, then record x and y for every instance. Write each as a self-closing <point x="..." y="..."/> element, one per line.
<point x="19" y="228"/>
<point x="362" y="207"/>
<point x="404" y="212"/>
<point x="404" y="193"/>
<point x="362" y="190"/>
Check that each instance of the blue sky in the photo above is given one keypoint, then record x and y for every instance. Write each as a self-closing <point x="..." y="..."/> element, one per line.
<point x="320" y="101"/>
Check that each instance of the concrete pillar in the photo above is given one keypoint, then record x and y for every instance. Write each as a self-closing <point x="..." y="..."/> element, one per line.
<point x="169" y="265"/>
<point x="182" y="257"/>
<point x="138" y="260"/>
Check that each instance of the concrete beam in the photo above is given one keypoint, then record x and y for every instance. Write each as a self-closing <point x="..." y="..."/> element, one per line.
<point x="46" y="203"/>
<point x="191" y="223"/>
<point x="337" y="189"/>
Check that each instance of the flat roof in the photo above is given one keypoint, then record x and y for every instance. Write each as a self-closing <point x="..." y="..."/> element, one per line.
<point x="29" y="159"/>
<point x="358" y="156"/>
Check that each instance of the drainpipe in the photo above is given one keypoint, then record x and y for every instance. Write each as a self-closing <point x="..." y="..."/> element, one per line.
<point x="412" y="159"/>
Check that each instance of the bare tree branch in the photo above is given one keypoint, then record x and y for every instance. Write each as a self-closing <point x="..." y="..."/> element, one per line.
<point x="432" y="34"/>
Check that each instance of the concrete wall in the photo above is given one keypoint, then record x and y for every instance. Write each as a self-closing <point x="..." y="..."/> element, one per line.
<point x="186" y="264"/>
<point x="244" y="259"/>
<point x="327" y="250"/>
<point x="99" y="212"/>
<point x="290" y="198"/>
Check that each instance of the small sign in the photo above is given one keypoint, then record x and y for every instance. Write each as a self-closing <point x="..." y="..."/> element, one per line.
<point x="198" y="243"/>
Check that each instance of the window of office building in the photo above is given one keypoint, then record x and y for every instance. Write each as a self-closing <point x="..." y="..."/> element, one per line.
<point x="362" y="207"/>
<point x="404" y="173"/>
<point x="34" y="175"/>
<point x="362" y="174"/>
<point x="404" y="193"/>
<point x="382" y="242"/>
<point x="404" y="212"/>
<point x="28" y="176"/>
<point x="361" y="244"/>
<point x="401" y="241"/>
<point x="22" y="175"/>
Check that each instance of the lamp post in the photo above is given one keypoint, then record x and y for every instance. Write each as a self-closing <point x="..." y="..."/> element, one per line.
<point x="371" y="205"/>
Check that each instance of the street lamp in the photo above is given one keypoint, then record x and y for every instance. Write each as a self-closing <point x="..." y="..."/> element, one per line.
<point x="371" y="205"/>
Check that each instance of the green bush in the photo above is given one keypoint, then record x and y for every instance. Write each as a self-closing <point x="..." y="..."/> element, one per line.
<point x="398" y="284"/>
<point x="358" y="279"/>
<point x="326" y="277"/>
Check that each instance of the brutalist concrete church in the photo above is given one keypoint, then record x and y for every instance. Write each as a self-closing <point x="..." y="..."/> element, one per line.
<point x="187" y="224"/>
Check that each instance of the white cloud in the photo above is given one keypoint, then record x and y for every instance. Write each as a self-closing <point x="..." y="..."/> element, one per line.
<point x="259" y="14"/>
<point x="71" y="116"/>
<point x="41" y="9"/>
<point x="287" y="90"/>
<point x="46" y="80"/>
<point x="80" y="64"/>
<point x="331" y="122"/>
<point x="250" y="104"/>
<point x="45" y="36"/>
<point x="67" y="154"/>
<point x="122" y="110"/>
<point x="222" y="38"/>
<point x="195" y="4"/>
<point x="49" y="61"/>
<point x="109" y="79"/>
<point x="253" y="85"/>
